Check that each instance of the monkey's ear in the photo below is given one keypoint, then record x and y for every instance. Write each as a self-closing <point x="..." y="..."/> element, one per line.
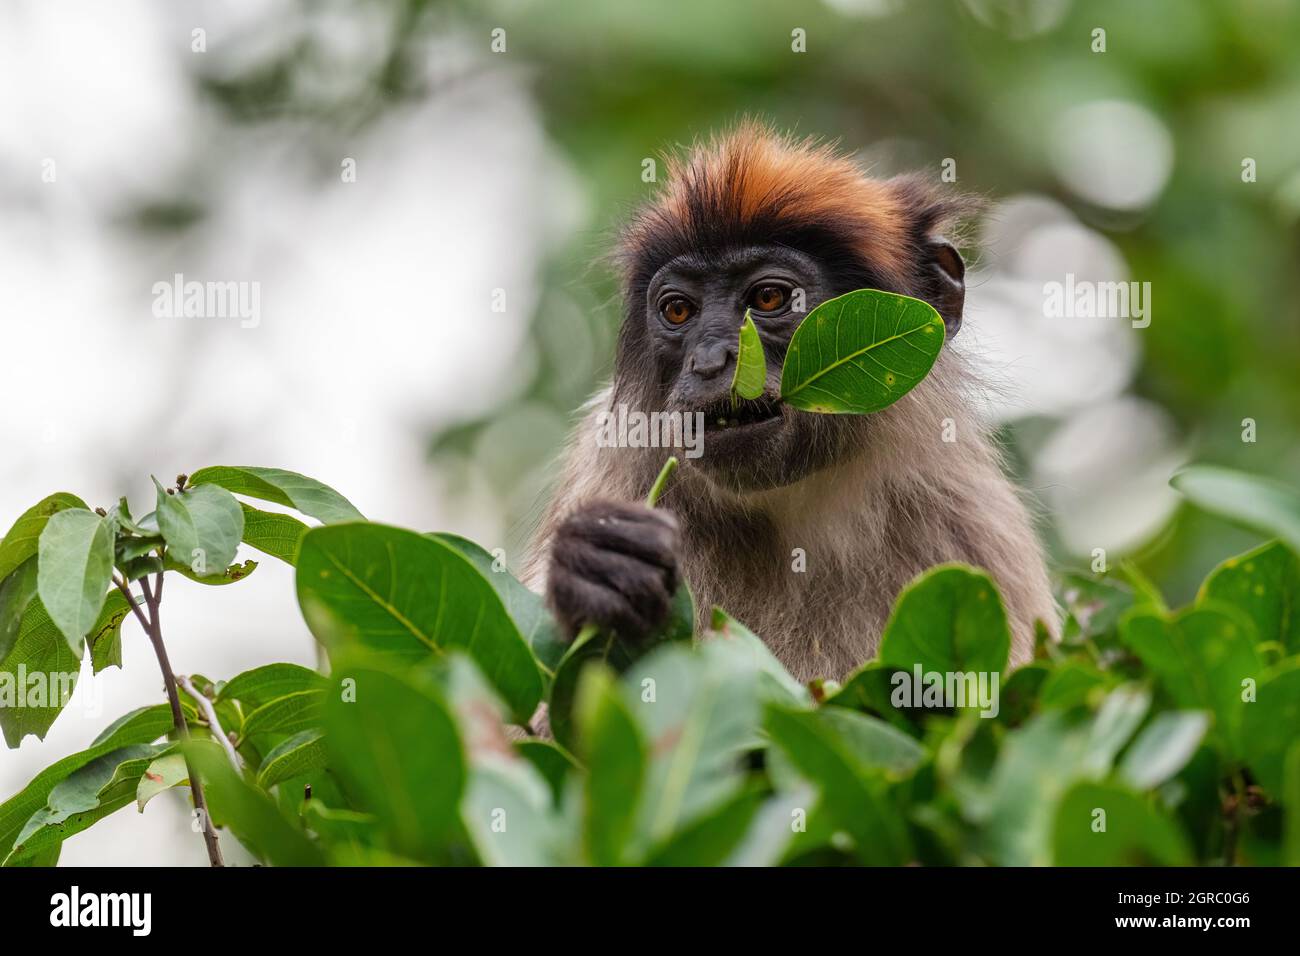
<point x="946" y="279"/>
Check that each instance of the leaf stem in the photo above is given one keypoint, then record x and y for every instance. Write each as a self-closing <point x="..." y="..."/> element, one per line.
<point x="210" y="713"/>
<point x="657" y="488"/>
<point x="152" y="627"/>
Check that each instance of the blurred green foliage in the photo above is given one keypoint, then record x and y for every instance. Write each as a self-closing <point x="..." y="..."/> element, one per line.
<point x="982" y="81"/>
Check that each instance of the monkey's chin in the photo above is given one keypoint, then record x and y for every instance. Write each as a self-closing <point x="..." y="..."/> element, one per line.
<point x="747" y="458"/>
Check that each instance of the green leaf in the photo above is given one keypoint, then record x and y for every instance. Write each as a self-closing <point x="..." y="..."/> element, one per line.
<point x="873" y="743"/>
<point x="261" y="685"/>
<point x="507" y="807"/>
<point x="1135" y="833"/>
<point x="410" y="596"/>
<point x="750" y="377"/>
<point x="1163" y="748"/>
<point x="138" y="727"/>
<point x="949" y="620"/>
<point x="775" y="681"/>
<point x="299" y="754"/>
<point x="855" y="796"/>
<point x="37" y="677"/>
<point x="710" y="839"/>
<point x="75" y="571"/>
<point x="29" y="706"/>
<point x="202" y="527"/>
<point x="1270" y="725"/>
<point x="1265" y="583"/>
<point x="290" y="714"/>
<point x="614" y="652"/>
<point x="1071" y="683"/>
<point x="773" y="827"/>
<point x="87" y="795"/>
<point x="526" y="608"/>
<point x="587" y="647"/>
<point x="1291" y="800"/>
<point x="615" y="755"/>
<point x="372" y="720"/>
<point x="552" y="761"/>
<point x="275" y="534"/>
<point x="119" y="518"/>
<point x="1020" y="693"/>
<point x="162" y="774"/>
<point x="248" y="812"/>
<point x="698" y="711"/>
<point x="284" y="488"/>
<point x="20" y="543"/>
<point x="871" y="689"/>
<point x="508" y="817"/>
<point x="235" y="572"/>
<point x="860" y="352"/>
<point x="1037" y="763"/>
<point x="1255" y="502"/>
<point x="1202" y="656"/>
<point x="105" y="638"/>
<point x="16" y="592"/>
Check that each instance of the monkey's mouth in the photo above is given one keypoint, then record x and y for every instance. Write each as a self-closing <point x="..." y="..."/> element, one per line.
<point x="723" y="416"/>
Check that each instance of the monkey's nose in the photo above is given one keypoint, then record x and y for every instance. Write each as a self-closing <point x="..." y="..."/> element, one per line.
<point x="708" y="360"/>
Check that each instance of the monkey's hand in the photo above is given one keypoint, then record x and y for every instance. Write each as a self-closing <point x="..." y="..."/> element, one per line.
<point x="614" y="565"/>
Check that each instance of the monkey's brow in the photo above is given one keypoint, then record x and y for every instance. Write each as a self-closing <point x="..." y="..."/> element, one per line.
<point x="698" y="265"/>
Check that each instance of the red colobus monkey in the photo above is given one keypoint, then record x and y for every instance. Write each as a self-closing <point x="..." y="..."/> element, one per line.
<point x="803" y="526"/>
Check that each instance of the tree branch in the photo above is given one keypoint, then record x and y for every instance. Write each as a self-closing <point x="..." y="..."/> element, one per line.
<point x="214" y="724"/>
<point x="152" y="628"/>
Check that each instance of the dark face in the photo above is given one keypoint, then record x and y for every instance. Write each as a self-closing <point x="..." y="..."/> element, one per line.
<point x="694" y="307"/>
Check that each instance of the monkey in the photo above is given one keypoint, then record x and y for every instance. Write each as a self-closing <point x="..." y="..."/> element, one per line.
<point x="805" y="527"/>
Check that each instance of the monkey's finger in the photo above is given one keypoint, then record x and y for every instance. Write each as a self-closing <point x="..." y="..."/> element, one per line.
<point x="650" y="535"/>
<point x="577" y="601"/>
<point x="649" y="587"/>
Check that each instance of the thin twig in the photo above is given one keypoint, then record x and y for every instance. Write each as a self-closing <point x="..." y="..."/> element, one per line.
<point x="151" y="627"/>
<point x="210" y="713"/>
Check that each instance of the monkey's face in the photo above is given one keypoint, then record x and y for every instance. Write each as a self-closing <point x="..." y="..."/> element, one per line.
<point x="694" y="307"/>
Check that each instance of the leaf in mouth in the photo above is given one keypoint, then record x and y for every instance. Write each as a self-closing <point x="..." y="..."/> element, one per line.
<point x="860" y="352"/>
<point x="751" y="364"/>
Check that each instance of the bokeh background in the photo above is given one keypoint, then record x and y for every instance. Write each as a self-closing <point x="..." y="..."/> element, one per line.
<point x="381" y="366"/>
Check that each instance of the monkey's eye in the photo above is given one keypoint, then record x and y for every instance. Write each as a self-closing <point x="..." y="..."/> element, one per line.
<point x="768" y="297"/>
<point x="676" y="310"/>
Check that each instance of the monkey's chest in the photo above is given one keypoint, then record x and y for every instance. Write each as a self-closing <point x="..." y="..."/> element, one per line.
<point x="818" y="621"/>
